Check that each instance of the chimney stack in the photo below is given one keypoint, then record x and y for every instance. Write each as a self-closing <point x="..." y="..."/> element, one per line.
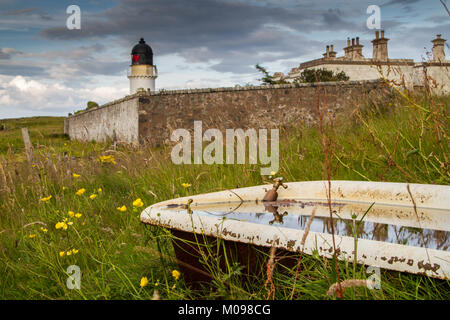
<point x="438" y="49"/>
<point x="327" y="53"/>
<point x="348" y="50"/>
<point x="380" y="49"/>
<point x="332" y="53"/>
<point x="357" y="50"/>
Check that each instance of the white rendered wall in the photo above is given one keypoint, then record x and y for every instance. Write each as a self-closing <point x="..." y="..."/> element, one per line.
<point x="440" y="74"/>
<point x="100" y="123"/>
<point x="370" y="72"/>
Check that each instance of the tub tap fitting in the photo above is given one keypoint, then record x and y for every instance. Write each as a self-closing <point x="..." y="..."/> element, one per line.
<point x="272" y="194"/>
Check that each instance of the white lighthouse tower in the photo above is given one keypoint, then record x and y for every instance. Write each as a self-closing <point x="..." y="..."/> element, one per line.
<point x="142" y="72"/>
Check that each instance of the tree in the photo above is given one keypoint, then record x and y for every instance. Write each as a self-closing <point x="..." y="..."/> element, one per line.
<point x="321" y="75"/>
<point x="91" y="104"/>
<point x="268" y="79"/>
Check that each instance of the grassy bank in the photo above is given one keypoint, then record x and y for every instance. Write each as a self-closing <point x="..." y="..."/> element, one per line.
<point x="404" y="139"/>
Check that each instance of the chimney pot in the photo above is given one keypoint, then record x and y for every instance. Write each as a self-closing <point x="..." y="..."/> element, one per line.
<point x="357" y="41"/>
<point x="353" y="42"/>
<point x="377" y="34"/>
<point x="382" y="33"/>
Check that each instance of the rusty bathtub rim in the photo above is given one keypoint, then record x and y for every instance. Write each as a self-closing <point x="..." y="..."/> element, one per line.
<point x="370" y="252"/>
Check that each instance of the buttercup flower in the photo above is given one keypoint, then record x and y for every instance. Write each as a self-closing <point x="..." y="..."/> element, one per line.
<point x="78" y="215"/>
<point x="175" y="274"/>
<point x="186" y="185"/>
<point x="138" y="203"/>
<point x="46" y="198"/>
<point x="80" y="191"/>
<point x="144" y="282"/>
<point x="107" y="159"/>
<point x="69" y="253"/>
<point x="60" y="225"/>
<point x="272" y="173"/>
<point x="71" y="213"/>
<point x="44" y="230"/>
<point x="75" y="251"/>
<point x="76" y="175"/>
<point x="61" y="253"/>
<point x="122" y="208"/>
<point x="92" y="196"/>
<point x="99" y="189"/>
<point x="31" y="236"/>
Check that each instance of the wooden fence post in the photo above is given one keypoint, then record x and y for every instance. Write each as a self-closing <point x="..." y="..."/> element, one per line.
<point x="27" y="143"/>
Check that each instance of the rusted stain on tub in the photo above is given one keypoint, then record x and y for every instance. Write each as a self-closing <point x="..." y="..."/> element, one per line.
<point x="290" y="244"/>
<point x="427" y="266"/>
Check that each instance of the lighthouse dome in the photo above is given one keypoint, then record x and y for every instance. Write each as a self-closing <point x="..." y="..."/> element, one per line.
<point x="142" y="54"/>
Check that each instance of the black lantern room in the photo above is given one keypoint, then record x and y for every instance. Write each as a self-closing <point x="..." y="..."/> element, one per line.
<point x="142" y="54"/>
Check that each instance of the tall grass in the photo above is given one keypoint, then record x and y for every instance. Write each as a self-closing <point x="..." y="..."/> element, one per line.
<point x="401" y="139"/>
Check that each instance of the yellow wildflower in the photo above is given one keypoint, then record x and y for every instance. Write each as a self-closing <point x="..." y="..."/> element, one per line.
<point x="69" y="253"/>
<point x="138" y="203"/>
<point x="107" y="159"/>
<point x="186" y="185"/>
<point x="174" y="286"/>
<point x="31" y="236"/>
<point x="76" y="175"/>
<point x="93" y="196"/>
<point x="64" y="188"/>
<point x="60" y="225"/>
<point x="176" y="274"/>
<point x="122" y="208"/>
<point x="78" y="215"/>
<point x="70" y="223"/>
<point x="144" y="282"/>
<point x="99" y="189"/>
<point x="75" y="251"/>
<point x="61" y="253"/>
<point x="71" y="214"/>
<point x="272" y="173"/>
<point x="46" y="198"/>
<point x="80" y="191"/>
<point x="44" y="230"/>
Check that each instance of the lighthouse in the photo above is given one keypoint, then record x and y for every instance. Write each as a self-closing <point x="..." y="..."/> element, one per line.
<point x="142" y="73"/>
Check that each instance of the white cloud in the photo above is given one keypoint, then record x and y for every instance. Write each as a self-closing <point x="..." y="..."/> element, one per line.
<point x="22" y="96"/>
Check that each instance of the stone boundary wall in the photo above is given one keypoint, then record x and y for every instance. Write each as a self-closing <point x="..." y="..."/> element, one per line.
<point x="152" y="116"/>
<point x="261" y="107"/>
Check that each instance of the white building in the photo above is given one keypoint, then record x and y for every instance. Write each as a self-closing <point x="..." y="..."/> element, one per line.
<point x="401" y="71"/>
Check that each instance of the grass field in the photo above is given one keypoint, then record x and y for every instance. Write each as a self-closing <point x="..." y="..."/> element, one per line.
<point x="47" y="221"/>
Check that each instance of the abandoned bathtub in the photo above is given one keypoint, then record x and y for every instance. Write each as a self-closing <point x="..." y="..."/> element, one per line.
<point x="396" y="228"/>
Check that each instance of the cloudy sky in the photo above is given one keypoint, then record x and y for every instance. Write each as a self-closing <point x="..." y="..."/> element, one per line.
<point x="47" y="69"/>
